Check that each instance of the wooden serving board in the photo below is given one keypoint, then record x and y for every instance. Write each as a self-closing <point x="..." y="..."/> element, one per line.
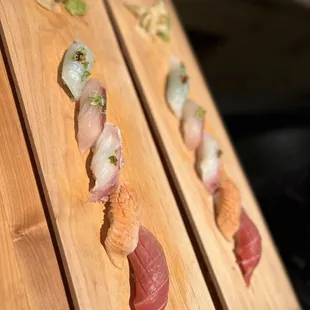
<point x="149" y="63"/>
<point x="36" y="40"/>
<point x="30" y="276"/>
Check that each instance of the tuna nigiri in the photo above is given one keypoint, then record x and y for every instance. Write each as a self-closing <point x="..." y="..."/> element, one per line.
<point x="124" y="217"/>
<point x="77" y="65"/>
<point x="106" y="162"/>
<point x="208" y="162"/>
<point x="151" y="273"/>
<point x="177" y="86"/>
<point x="248" y="247"/>
<point x="192" y="124"/>
<point x="92" y="115"/>
<point x="227" y="207"/>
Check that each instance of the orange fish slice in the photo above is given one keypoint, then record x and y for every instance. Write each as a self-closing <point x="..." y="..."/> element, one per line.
<point x="227" y="207"/>
<point x="124" y="217"/>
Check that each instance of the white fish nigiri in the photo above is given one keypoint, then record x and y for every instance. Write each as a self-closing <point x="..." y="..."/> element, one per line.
<point x="77" y="65"/>
<point x="106" y="162"/>
<point x="177" y="86"/>
<point x="192" y="124"/>
<point x="208" y="162"/>
<point x="92" y="115"/>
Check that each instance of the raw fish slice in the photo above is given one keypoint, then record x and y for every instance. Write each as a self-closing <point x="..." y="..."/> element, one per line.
<point x="248" y="247"/>
<point x="106" y="162"/>
<point x="208" y="163"/>
<point x="77" y="65"/>
<point x="177" y="86"/>
<point x="151" y="273"/>
<point x="92" y="115"/>
<point x="124" y="217"/>
<point x="227" y="207"/>
<point x="192" y="124"/>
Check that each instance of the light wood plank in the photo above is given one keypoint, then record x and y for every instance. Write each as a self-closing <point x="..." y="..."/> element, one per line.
<point x="30" y="276"/>
<point x="149" y="61"/>
<point x="36" y="41"/>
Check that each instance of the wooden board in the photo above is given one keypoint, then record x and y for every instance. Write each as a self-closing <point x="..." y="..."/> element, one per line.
<point x="149" y="62"/>
<point x="30" y="276"/>
<point x="36" y="40"/>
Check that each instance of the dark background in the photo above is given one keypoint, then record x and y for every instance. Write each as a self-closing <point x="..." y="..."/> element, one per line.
<point x="255" y="55"/>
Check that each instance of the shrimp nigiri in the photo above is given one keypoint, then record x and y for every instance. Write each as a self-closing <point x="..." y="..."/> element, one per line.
<point x="92" y="115"/>
<point x="106" y="162"/>
<point x="248" y="247"/>
<point x="77" y="65"/>
<point x="192" y="124"/>
<point x="227" y="207"/>
<point x="124" y="217"/>
<point x="208" y="162"/>
<point x="151" y="273"/>
<point x="177" y="86"/>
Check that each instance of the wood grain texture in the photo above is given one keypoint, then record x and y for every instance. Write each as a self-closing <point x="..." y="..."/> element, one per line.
<point x="30" y="276"/>
<point x="149" y="62"/>
<point x="36" y="41"/>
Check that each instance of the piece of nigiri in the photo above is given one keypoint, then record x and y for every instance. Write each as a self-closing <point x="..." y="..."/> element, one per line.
<point x="192" y="124"/>
<point x="227" y="202"/>
<point x="248" y="247"/>
<point x="92" y="115"/>
<point x="76" y="68"/>
<point x="177" y="86"/>
<point x="124" y="217"/>
<point x="106" y="162"/>
<point x="208" y="162"/>
<point x="151" y="273"/>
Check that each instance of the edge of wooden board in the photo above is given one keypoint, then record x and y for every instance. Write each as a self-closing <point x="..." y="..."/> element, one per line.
<point x="149" y="62"/>
<point x="36" y="40"/>
<point x="28" y="257"/>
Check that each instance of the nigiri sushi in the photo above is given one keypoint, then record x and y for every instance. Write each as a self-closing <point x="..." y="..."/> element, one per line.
<point x="248" y="247"/>
<point x="77" y="65"/>
<point x="192" y="124"/>
<point x="227" y="202"/>
<point x="151" y="273"/>
<point x="106" y="162"/>
<point x="208" y="162"/>
<point x="124" y="217"/>
<point x="92" y="115"/>
<point x="177" y="86"/>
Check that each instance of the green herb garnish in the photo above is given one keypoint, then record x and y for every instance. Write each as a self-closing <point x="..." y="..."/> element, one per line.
<point x="113" y="160"/>
<point x="76" y="7"/>
<point x="219" y="153"/>
<point x="98" y="100"/>
<point x="85" y="75"/>
<point x="85" y="64"/>
<point x="200" y="112"/>
<point x="80" y="54"/>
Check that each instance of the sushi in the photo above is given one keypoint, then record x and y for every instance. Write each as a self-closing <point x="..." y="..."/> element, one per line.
<point x="92" y="115"/>
<point x="248" y="247"/>
<point x="150" y="272"/>
<point x="192" y="124"/>
<point x="106" y="163"/>
<point x="227" y="202"/>
<point x="177" y="86"/>
<point x="124" y="217"/>
<point x="77" y="65"/>
<point x="208" y="162"/>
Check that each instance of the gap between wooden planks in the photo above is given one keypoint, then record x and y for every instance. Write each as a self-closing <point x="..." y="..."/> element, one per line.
<point x="149" y="63"/>
<point x="30" y="276"/>
<point x="36" y="40"/>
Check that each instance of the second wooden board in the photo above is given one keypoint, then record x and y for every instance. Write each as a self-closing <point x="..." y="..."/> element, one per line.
<point x="149" y="62"/>
<point x="36" y="41"/>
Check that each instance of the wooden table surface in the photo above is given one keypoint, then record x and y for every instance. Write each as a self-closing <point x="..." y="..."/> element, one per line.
<point x="50" y="235"/>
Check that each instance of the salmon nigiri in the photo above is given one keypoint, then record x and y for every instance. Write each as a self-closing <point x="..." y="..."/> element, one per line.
<point x="106" y="162"/>
<point x="124" y="217"/>
<point x="92" y="115"/>
<point x="208" y="162"/>
<point x="227" y="207"/>
<point x="151" y="273"/>
<point x="248" y="247"/>
<point x="192" y="124"/>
